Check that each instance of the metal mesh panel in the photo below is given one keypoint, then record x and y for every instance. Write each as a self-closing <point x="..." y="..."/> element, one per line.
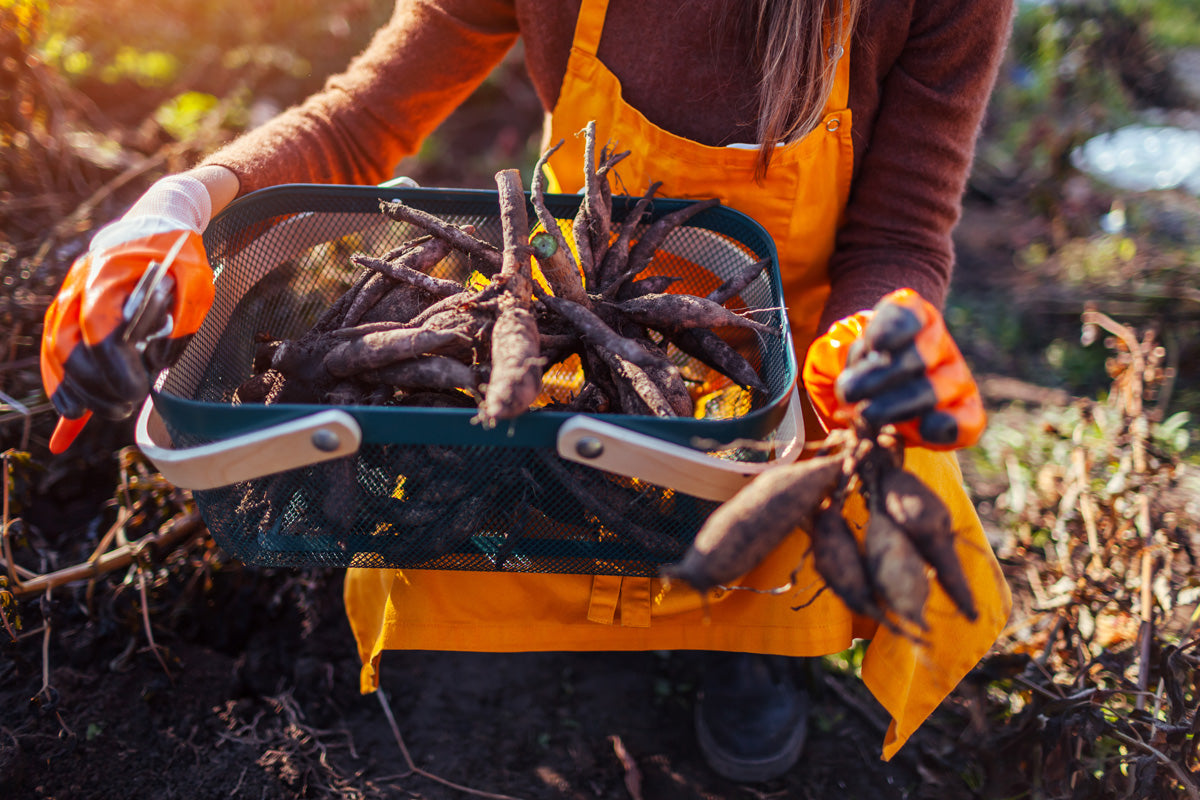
<point x="469" y="499"/>
<point x="460" y="508"/>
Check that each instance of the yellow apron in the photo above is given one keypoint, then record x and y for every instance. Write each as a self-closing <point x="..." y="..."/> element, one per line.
<point x="800" y="204"/>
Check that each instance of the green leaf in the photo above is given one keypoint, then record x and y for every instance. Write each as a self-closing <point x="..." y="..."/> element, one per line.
<point x="1173" y="431"/>
<point x="182" y="115"/>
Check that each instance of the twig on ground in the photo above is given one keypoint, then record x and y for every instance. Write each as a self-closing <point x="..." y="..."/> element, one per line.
<point x="174" y="533"/>
<point x="146" y="622"/>
<point x="22" y="409"/>
<point x="299" y="752"/>
<point x="46" y="647"/>
<point x="8" y="628"/>
<point x="5" y="542"/>
<point x="1146" y="628"/>
<point x="633" y="775"/>
<point x="1176" y="770"/>
<point x="767" y="795"/>
<point x="848" y="697"/>
<point x="47" y="696"/>
<point x="414" y="769"/>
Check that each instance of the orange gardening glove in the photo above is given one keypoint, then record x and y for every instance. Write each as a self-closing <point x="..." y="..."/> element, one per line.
<point x="896" y="364"/>
<point x="88" y="362"/>
<point x="99" y="352"/>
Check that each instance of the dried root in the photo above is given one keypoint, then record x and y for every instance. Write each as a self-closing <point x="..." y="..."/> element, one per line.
<point x="886" y="578"/>
<point x="752" y="523"/>
<point x="398" y="325"/>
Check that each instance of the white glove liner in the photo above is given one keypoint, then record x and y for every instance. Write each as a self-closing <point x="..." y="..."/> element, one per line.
<point x="173" y="203"/>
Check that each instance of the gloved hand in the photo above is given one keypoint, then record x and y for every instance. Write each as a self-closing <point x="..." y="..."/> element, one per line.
<point x="90" y="362"/>
<point x="896" y="364"/>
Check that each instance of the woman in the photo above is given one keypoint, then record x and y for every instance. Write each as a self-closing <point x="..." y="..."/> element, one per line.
<point x="870" y="109"/>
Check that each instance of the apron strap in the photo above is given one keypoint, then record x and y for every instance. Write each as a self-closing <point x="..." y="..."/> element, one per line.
<point x="602" y="603"/>
<point x="839" y="95"/>
<point x="631" y="595"/>
<point x="590" y="25"/>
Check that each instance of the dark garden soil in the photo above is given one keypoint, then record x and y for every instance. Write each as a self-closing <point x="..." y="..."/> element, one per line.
<point x="277" y="715"/>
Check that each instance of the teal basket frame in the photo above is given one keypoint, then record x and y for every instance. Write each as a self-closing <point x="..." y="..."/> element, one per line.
<point x="281" y="255"/>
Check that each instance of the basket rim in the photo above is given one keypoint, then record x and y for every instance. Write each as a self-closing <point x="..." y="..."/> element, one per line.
<point x="460" y="426"/>
<point x="214" y="421"/>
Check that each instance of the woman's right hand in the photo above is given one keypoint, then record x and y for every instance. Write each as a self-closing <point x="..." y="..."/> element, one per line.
<point x="96" y="355"/>
<point x="896" y="364"/>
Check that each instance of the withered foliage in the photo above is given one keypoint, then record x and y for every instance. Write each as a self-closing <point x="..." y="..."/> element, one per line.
<point x="1093" y="684"/>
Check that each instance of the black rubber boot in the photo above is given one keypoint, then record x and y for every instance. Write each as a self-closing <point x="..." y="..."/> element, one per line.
<point x="751" y="716"/>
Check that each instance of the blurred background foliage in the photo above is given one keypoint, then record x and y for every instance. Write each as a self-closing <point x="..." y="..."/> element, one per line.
<point x="1076" y="70"/>
<point x="144" y="52"/>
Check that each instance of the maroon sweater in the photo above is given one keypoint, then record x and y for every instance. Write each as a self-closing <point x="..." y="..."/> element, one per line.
<point x="921" y="73"/>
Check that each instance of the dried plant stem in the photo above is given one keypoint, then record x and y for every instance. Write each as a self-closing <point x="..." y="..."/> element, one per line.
<point x="18" y="407"/>
<point x="457" y="237"/>
<point x="14" y="336"/>
<point x="414" y="769"/>
<point x="46" y="629"/>
<point x="9" y="561"/>
<point x="1131" y="387"/>
<point x="48" y="691"/>
<point x="574" y="289"/>
<point x="146" y="623"/>
<point x="1146" y="629"/>
<point x="177" y="531"/>
<point x="633" y="775"/>
<point x="8" y="628"/>
<point x="852" y="700"/>
<point x="124" y="513"/>
<point x="22" y="571"/>
<point x="1176" y="770"/>
<point x="612" y="270"/>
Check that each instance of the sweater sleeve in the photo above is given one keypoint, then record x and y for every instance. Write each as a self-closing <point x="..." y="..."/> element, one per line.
<point x="907" y="194"/>
<point x="417" y="69"/>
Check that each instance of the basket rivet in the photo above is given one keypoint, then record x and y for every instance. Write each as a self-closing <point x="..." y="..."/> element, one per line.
<point x="325" y="440"/>
<point x="589" y="447"/>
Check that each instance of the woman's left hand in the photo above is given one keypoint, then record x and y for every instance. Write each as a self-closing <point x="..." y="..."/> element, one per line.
<point x="896" y="364"/>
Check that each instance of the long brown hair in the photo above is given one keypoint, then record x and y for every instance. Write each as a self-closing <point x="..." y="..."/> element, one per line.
<point x="793" y="44"/>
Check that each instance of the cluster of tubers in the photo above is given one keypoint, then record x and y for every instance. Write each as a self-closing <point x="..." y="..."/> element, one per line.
<point x="909" y="529"/>
<point x="401" y="335"/>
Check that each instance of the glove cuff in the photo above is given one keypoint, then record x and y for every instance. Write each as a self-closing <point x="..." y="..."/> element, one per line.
<point x="176" y="202"/>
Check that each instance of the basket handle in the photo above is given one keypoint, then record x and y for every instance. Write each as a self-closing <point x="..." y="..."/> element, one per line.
<point x="594" y="443"/>
<point x="301" y="442"/>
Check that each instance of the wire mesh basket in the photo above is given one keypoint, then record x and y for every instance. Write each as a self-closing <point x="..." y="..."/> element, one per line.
<point x="429" y="488"/>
